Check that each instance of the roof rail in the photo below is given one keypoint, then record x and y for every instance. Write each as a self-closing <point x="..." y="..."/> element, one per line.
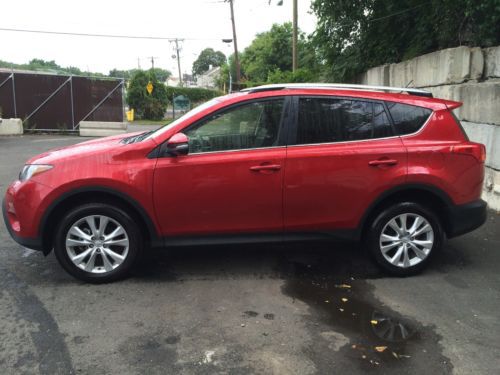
<point x="337" y="86"/>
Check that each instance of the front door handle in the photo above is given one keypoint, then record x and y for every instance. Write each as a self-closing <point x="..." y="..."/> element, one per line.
<point x="382" y="162"/>
<point x="266" y="167"/>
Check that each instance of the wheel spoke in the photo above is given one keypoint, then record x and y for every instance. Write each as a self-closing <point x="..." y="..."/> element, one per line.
<point x="78" y="259"/>
<point x="91" y="262"/>
<point x="395" y="226"/>
<point x="424" y="244"/>
<point x="77" y="232"/>
<point x="91" y="222"/>
<point x="122" y="242"/>
<point x="416" y="224"/>
<point x="386" y="248"/>
<point x="418" y="252"/>
<point x="425" y="229"/>
<point x="73" y="242"/>
<point x="118" y="231"/>
<point x="103" y="222"/>
<point x="403" y="220"/>
<point x="107" y="264"/>
<point x="386" y="238"/>
<point x="406" y="256"/>
<point x="396" y="258"/>
<point x="115" y="256"/>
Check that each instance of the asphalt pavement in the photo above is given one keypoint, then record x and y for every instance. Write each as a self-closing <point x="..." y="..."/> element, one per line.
<point x="315" y="308"/>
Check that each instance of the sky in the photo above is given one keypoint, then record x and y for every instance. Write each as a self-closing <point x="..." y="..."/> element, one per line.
<point x="202" y="23"/>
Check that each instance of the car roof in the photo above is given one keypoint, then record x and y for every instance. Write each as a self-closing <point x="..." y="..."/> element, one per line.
<point x="405" y="95"/>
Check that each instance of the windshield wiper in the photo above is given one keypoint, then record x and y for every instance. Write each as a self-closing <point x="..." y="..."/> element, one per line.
<point x="136" y="138"/>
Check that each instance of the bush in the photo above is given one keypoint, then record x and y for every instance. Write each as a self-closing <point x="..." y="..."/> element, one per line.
<point x="147" y="106"/>
<point x="194" y="94"/>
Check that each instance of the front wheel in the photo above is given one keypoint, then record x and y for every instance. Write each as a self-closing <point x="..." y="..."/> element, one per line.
<point x="404" y="237"/>
<point x="97" y="243"/>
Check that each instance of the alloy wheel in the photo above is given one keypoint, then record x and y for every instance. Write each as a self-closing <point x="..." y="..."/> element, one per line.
<point x="406" y="240"/>
<point x="97" y="244"/>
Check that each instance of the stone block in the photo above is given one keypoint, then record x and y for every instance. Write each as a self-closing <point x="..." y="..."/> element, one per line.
<point x="101" y="128"/>
<point x="492" y="62"/>
<point x="13" y="126"/>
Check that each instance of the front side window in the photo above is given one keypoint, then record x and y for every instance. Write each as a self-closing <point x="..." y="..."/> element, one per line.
<point x="251" y="125"/>
<point x="326" y="120"/>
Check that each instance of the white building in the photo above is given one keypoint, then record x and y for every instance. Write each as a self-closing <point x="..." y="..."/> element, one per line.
<point x="208" y="79"/>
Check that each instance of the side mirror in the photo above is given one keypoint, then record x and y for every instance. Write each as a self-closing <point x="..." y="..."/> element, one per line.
<point x="178" y="145"/>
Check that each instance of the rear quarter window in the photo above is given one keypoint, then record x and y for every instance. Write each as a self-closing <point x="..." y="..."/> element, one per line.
<point x="407" y="118"/>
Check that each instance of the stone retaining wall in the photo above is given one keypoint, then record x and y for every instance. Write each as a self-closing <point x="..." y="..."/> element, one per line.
<point x="464" y="74"/>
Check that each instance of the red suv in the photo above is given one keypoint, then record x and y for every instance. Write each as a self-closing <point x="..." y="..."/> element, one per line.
<point x="391" y="167"/>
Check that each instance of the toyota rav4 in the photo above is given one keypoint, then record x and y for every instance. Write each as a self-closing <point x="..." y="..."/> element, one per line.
<point x="391" y="168"/>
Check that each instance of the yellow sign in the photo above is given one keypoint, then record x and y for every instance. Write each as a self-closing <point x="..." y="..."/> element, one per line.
<point x="149" y="87"/>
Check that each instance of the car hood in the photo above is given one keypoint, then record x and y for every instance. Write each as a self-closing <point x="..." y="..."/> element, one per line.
<point x="100" y="145"/>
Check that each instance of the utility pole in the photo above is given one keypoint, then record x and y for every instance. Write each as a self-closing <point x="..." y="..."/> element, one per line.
<point x="177" y="50"/>
<point x="236" y="59"/>
<point x="294" y="36"/>
<point x="153" y="62"/>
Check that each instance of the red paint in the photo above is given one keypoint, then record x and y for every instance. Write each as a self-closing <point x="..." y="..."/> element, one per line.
<point x="296" y="188"/>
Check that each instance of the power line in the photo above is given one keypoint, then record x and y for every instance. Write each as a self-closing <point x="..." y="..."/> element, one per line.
<point x="386" y="16"/>
<point x="50" y="32"/>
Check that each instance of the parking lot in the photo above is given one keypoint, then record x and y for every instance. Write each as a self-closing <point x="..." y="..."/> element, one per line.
<point x="316" y="308"/>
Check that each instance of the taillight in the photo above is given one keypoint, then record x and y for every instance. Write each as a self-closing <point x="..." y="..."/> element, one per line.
<point x="474" y="149"/>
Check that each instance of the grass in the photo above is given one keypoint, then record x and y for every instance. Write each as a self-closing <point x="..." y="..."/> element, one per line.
<point x="151" y="122"/>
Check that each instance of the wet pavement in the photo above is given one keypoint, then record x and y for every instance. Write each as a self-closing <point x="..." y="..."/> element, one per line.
<point x="311" y="308"/>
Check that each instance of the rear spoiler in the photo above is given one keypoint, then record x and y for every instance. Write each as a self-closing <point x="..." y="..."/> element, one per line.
<point x="451" y="104"/>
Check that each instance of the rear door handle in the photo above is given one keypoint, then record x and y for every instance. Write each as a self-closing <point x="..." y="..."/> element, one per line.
<point x="266" y="167"/>
<point x="379" y="162"/>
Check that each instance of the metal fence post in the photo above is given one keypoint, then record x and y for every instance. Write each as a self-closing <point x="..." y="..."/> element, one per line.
<point x="72" y="106"/>
<point x="14" y="95"/>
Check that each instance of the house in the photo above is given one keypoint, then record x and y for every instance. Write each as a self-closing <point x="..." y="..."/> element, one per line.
<point x="209" y="79"/>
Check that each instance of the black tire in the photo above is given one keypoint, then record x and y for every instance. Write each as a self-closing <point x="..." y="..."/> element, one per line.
<point x="135" y="244"/>
<point x="376" y="226"/>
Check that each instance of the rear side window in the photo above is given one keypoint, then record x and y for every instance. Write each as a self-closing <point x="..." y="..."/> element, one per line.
<point x="326" y="120"/>
<point x="408" y="118"/>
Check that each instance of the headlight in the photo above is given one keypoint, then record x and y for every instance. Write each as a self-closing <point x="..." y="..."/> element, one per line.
<point x="31" y="170"/>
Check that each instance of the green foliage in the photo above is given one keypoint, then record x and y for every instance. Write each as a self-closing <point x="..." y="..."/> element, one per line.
<point x="272" y="50"/>
<point x="47" y="66"/>
<point x="161" y="74"/>
<point x="352" y="36"/>
<point x="206" y="58"/>
<point x="195" y="94"/>
<point x="147" y="106"/>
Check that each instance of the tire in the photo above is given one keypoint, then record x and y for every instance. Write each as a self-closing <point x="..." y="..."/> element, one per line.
<point x="101" y="254"/>
<point x="404" y="252"/>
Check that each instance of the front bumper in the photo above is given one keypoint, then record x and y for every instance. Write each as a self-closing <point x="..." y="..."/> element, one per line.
<point x="30" y="243"/>
<point x="465" y="218"/>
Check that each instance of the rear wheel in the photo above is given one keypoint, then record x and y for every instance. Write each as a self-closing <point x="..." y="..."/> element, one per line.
<point x="97" y="243"/>
<point x="404" y="237"/>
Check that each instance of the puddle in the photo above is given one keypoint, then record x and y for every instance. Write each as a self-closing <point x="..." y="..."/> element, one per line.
<point x="374" y="336"/>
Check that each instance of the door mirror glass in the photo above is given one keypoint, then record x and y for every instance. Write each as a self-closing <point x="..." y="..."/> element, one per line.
<point x="177" y="145"/>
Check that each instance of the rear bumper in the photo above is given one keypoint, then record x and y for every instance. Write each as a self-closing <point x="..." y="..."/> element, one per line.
<point x="465" y="218"/>
<point x="30" y="243"/>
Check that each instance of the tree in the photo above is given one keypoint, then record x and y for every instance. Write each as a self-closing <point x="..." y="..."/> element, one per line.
<point x="206" y="58"/>
<point x="147" y="106"/>
<point x="272" y="50"/>
<point x="352" y="36"/>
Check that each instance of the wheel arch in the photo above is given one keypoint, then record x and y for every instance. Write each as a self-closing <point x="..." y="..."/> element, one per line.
<point x="95" y="194"/>
<point x="430" y="196"/>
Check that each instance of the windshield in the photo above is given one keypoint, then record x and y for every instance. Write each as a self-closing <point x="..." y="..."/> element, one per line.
<point x="187" y="115"/>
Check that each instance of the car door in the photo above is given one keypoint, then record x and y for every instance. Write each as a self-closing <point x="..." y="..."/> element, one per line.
<point x="230" y="182"/>
<point x="342" y="155"/>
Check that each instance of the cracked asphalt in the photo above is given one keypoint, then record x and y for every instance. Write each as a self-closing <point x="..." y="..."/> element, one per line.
<point x="315" y="308"/>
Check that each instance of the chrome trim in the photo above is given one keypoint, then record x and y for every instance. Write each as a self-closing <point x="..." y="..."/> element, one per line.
<point x="240" y="149"/>
<point x="340" y="86"/>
